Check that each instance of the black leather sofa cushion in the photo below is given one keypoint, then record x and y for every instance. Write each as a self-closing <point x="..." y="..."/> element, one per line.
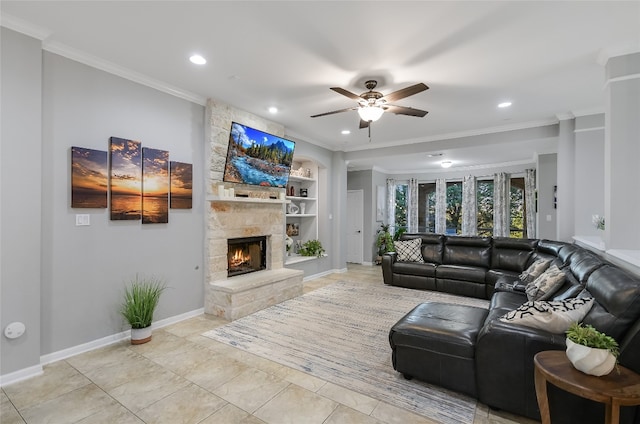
<point x="469" y="251"/>
<point x="511" y="254"/>
<point x="582" y="264"/>
<point x="415" y="268"/>
<point x="461" y="273"/>
<point x="618" y="300"/>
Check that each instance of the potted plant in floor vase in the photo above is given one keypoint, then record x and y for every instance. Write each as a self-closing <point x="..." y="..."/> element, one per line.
<point x="141" y="297"/>
<point x="591" y="351"/>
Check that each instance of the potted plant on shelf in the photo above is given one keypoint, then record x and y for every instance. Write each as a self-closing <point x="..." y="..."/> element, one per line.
<point x="591" y="351"/>
<point x="311" y="248"/>
<point x="141" y="298"/>
<point x="384" y="242"/>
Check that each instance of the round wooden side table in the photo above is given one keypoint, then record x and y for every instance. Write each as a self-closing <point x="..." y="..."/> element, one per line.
<point x="620" y="388"/>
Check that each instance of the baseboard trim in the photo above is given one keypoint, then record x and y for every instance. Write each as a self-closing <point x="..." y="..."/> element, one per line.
<point x="324" y="273"/>
<point x="49" y="358"/>
<point x="23" y="374"/>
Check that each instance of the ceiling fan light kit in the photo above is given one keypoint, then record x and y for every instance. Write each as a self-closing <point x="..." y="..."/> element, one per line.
<point x="370" y="113"/>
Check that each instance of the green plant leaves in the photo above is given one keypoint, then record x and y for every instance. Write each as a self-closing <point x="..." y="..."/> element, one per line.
<point x="140" y="300"/>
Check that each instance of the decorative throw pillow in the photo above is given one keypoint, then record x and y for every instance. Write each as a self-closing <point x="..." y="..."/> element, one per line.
<point x="554" y="316"/>
<point x="535" y="270"/>
<point x="409" y="250"/>
<point x="546" y="284"/>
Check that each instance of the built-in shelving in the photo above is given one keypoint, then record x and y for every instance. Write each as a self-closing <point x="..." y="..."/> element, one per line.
<point x="244" y="200"/>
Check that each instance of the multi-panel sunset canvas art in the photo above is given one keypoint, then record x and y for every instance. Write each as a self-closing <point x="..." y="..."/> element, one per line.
<point x="126" y="179"/>
<point x="181" y="185"/>
<point x="88" y="178"/>
<point x="155" y="186"/>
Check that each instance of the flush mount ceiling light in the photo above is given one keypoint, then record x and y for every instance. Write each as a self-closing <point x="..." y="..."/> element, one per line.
<point x="273" y="109"/>
<point x="197" y="59"/>
<point x="504" y="104"/>
<point x="370" y="113"/>
<point x="446" y="164"/>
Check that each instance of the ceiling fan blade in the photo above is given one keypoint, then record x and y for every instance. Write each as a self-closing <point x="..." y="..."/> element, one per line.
<point x="347" y="93"/>
<point x="364" y="124"/>
<point x="405" y="92"/>
<point x="335" y="111"/>
<point x="402" y="110"/>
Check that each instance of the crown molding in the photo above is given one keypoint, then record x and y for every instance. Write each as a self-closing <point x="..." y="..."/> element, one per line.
<point x="588" y="112"/>
<point x="607" y="53"/>
<point x="454" y="169"/>
<point x="24" y="27"/>
<point x="112" y="68"/>
<point x="461" y="134"/>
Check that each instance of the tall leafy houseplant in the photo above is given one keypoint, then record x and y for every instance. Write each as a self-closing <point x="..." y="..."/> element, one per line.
<point x="384" y="242"/>
<point x="141" y="297"/>
<point x="311" y="248"/>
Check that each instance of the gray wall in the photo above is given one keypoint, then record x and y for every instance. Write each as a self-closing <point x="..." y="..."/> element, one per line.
<point x="589" y="174"/>
<point x="21" y="205"/>
<point x="84" y="268"/>
<point x="546" y="179"/>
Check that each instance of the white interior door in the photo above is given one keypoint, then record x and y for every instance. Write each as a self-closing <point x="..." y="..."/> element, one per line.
<point x="355" y="219"/>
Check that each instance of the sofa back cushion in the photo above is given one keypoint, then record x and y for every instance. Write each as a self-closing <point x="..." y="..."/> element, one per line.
<point x="432" y="246"/>
<point x="470" y="251"/>
<point x="511" y="254"/>
<point x="617" y="305"/>
<point x="582" y="263"/>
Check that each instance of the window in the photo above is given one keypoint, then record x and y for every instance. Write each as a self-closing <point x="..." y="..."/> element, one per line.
<point x="427" y="207"/>
<point x="401" y="207"/>
<point x="518" y="225"/>
<point x="454" y="208"/>
<point x="484" y="198"/>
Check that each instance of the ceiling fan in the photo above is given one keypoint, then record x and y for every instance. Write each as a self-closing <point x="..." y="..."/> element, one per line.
<point x="372" y="104"/>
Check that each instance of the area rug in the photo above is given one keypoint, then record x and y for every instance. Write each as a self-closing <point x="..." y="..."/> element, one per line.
<point x="340" y="333"/>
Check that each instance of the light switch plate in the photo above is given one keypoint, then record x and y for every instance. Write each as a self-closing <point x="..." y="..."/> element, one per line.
<point x="83" y="219"/>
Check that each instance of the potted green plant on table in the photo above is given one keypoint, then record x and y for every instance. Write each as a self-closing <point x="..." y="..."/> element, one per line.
<point x="591" y="351"/>
<point x="384" y="242"/>
<point x="311" y="248"/>
<point x="141" y="297"/>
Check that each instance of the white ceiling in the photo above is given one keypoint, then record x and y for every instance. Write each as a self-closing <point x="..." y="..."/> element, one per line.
<point x="545" y="57"/>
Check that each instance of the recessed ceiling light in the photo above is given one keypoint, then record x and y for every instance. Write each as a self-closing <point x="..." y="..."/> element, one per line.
<point x="504" y="104"/>
<point x="197" y="59"/>
<point x="273" y="109"/>
<point x="446" y="164"/>
<point x="345" y="132"/>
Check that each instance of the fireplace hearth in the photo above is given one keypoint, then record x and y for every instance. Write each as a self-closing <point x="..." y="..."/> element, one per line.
<point x="246" y="254"/>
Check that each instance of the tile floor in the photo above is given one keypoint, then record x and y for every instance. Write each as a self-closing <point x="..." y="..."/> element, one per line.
<point x="182" y="377"/>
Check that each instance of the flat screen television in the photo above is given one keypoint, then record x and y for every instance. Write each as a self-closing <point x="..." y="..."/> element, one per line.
<point x="257" y="158"/>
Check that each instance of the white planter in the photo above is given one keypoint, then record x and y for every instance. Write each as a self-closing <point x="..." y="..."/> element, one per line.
<point x="590" y="360"/>
<point x="140" y="335"/>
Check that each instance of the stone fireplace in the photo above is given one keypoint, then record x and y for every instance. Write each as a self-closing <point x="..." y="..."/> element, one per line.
<point x="240" y="294"/>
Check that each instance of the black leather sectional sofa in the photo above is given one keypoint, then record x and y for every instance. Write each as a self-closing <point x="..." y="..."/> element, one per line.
<point x="475" y="352"/>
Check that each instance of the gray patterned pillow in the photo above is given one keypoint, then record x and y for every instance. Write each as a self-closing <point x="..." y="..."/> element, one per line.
<point x="554" y="316"/>
<point x="546" y="284"/>
<point x="534" y="270"/>
<point x="409" y="250"/>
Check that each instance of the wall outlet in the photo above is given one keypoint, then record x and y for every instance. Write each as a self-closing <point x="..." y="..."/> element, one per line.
<point x="83" y="219"/>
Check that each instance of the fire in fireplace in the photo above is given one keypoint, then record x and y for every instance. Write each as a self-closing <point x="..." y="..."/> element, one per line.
<point x="247" y="254"/>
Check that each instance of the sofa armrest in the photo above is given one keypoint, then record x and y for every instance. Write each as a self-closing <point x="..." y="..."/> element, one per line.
<point x="388" y="259"/>
<point x="504" y="365"/>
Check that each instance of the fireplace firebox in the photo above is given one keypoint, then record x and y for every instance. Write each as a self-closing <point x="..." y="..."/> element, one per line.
<point x="245" y="255"/>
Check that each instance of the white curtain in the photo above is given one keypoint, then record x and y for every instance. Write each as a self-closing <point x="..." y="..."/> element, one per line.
<point x="441" y="206"/>
<point x="469" y="207"/>
<point x="501" y="204"/>
<point x="530" y="201"/>
<point x="391" y="205"/>
<point x="412" y="215"/>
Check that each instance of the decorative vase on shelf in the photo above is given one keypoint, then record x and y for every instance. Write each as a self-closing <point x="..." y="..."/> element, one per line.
<point x="292" y="209"/>
<point x="303" y="207"/>
<point x="590" y="360"/>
